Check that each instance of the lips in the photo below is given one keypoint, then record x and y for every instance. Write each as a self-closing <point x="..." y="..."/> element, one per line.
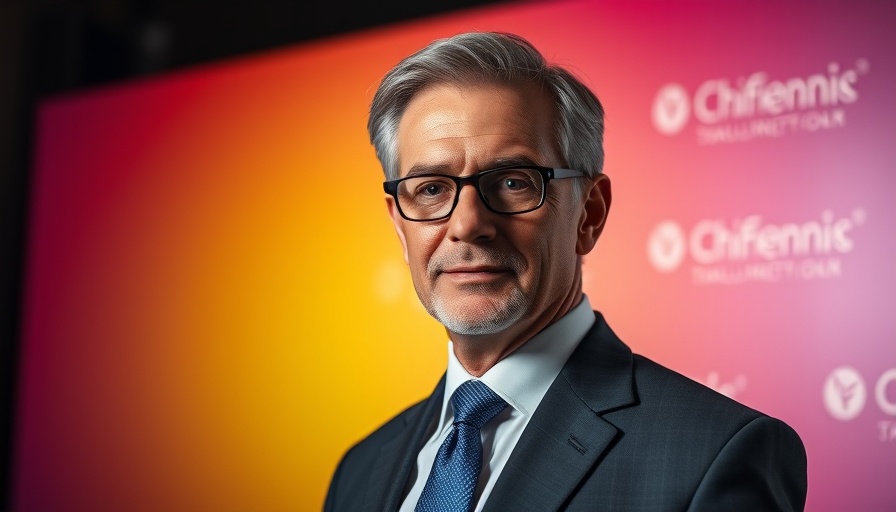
<point x="474" y="274"/>
<point x="474" y="269"/>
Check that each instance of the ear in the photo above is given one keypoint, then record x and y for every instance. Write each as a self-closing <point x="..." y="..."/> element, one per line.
<point x="594" y="214"/>
<point x="397" y="222"/>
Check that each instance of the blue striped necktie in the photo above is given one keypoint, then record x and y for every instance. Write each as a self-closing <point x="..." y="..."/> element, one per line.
<point x="455" y="471"/>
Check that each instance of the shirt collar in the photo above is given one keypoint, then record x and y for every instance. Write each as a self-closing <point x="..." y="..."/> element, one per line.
<point x="523" y="377"/>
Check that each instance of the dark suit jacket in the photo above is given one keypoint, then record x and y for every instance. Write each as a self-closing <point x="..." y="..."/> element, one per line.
<point x="615" y="431"/>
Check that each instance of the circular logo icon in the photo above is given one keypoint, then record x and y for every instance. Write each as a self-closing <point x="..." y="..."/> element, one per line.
<point x="844" y="393"/>
<point x="666" y="246"/>
<point x="671" y="109"/>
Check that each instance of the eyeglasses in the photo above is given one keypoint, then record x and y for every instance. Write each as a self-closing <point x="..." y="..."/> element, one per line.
<point x="508" y="190"/>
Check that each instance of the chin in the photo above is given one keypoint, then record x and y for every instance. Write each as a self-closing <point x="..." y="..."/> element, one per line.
<point x="480" y="314"/>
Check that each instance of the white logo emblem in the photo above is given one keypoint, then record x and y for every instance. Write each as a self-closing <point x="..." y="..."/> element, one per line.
<point x="666" y="246"/>
<point x="671" y="108"/>
<point x="844" y="393"/>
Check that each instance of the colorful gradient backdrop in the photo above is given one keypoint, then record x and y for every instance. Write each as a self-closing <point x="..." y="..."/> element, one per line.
<point x="216" y="304"/>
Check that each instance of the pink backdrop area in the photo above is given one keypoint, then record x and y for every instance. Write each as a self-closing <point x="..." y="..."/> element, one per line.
<point x="216" y="305"/>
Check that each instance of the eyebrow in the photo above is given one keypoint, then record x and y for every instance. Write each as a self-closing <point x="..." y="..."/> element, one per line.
<point x="418" y="169"/>
<point x="421" y="169"/>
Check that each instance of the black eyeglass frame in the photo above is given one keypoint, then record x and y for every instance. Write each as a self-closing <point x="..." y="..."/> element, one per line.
<point x="547" y="174"/>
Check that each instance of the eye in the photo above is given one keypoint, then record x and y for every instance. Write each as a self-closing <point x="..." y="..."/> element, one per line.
<point x="513" y="180"/>
<point x="431" y="189"/>
<point x="514" y="184"/>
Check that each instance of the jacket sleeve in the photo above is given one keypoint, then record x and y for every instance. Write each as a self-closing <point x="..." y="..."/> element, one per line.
<point x="762" y="467"/>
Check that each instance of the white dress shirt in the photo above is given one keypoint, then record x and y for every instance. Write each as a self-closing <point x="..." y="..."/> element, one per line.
<point x="521" y="379"/>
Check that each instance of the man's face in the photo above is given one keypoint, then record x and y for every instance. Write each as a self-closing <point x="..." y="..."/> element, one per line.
<point x="480" y="272"/>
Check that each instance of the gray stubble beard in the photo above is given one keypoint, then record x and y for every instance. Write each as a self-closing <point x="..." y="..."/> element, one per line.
<point x="501" y="316"/>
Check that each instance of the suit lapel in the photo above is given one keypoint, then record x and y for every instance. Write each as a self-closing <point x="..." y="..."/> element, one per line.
<point x="397" y="457"/>
<point x="566" y="435"/>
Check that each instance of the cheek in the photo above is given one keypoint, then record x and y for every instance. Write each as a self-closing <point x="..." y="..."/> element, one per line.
<point x="422" y="243"/>
<point x="553" y="248"/>
<point x="534" y="245"/>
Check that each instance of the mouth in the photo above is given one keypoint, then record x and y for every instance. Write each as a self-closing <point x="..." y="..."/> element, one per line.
<point x="472" y="273"/>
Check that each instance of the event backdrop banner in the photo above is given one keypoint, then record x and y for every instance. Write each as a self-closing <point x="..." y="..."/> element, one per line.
<point x="216" y="305"/>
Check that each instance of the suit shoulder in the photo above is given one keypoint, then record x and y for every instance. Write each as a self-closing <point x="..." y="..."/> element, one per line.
<point x="665" y="387"/>
<point x="704" y="421"/>
<point x="388" y="430"/>
<point x="359" y="461"/>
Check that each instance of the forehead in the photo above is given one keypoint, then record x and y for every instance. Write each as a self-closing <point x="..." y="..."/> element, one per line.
<point x="458" y="127"/>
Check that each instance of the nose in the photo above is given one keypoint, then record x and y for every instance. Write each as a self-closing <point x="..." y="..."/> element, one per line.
<point x="471" y="221"/>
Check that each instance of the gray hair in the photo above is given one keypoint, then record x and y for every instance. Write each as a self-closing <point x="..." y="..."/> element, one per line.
<point x="489" y="57"/>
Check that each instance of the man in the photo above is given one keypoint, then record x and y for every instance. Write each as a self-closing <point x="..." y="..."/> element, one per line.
<point x="493" y="166"/>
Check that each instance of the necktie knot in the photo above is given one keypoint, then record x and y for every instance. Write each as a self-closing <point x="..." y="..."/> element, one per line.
<point x="476" y="404"/>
